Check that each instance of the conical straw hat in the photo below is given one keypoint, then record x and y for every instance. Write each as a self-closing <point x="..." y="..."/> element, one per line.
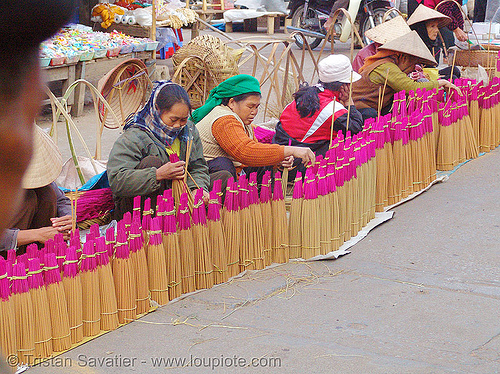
<point x="411" y="44"/>
<point x="389" y="30"/>
<point x="423" y="13"/>
<point x="46" y="162"/>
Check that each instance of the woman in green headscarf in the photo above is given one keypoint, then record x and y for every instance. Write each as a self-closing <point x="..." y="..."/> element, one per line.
<point x="225" y="127"/>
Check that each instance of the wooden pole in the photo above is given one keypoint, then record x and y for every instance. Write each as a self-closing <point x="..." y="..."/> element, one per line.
<point x="153" y="26"/>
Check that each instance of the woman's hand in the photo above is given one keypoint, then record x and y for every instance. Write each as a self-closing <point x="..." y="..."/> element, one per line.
<point x="447" y="84"/>
<point x="304" y="153"/>
<point x="62" y="224"/>
<point x="205" y="197"/>
<point x="460" y="34"/>
<point x="171" y="170"/>
<point x="287" y="163"/>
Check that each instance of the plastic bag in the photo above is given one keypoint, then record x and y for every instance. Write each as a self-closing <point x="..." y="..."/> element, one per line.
<point x="143" y="16"/>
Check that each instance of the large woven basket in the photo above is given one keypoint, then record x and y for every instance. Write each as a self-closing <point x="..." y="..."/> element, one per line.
<point x="473" y="58"/>
<point x="202" y="64"/>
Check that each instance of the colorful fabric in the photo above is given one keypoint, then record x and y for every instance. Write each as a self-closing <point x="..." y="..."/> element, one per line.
<point x="231" y="87"/>
<point x="363" y="54"/>
<point x="149" y="119"/>
<point x="316" y="127"/>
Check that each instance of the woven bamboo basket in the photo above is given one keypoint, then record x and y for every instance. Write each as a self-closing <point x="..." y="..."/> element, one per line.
<point x="202" y="64"/>
<point x="473" y="58"/>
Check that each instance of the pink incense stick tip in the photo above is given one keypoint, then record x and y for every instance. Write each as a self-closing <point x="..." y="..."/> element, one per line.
<point x="32" y="250"/>
<point x="155" y="238"/>
<point x="110" y="234"/>
<point x="121" y="236"/>
<point x="59" y="237"/>
<point x="23" y="259"/>
<point x="174" y="157"/>
<point x="159" y="202"/>
<point x="137" y="202"/>
<point x="167" y="194"/>
<point x="217" y="187"/>
<point x="298" y="191"/>
<point x="147" y="205"/>
<point x="35" y="279"/>
<point x="198" y="195"/>
<point x="278" y="188"/>
<point x="20" y="282"/>
<point x="89" y="237"/>
<point x="127" y="219"/>
<point x="88" y="248"/>
<point x="11" y="255"/>
<point x="100" y="244"/>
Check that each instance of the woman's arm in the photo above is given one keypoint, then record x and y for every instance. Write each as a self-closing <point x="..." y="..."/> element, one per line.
<point x="124" y="179"/>
<point x="231" y="136"/>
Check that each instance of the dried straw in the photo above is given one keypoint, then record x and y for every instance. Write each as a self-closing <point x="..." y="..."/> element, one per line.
<point x="61" y="335"/>
<point x="41" y="313"/>
<point x="74" y="295"/>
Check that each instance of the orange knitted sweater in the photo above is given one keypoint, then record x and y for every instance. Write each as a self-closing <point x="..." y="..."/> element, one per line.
<point x="232" y="137"/>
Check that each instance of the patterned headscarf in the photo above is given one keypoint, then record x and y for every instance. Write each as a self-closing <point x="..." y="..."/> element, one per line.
<point x="149" y="119"/>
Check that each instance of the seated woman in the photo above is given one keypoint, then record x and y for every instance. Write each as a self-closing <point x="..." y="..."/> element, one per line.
<point x="307" y="121"/>
<point x="427" y="22"/>
<point x="139" y="162"/>
<point x="392" y="64"/>
<point x="225" y="127"/>
<point x="44" y="211"/>
<point x="380" y="34"/>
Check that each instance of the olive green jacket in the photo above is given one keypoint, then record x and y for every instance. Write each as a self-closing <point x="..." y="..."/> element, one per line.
<point x="134" y="145"/>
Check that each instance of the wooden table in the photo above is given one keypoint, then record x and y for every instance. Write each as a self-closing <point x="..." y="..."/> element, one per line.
<point x="91" y="70"/>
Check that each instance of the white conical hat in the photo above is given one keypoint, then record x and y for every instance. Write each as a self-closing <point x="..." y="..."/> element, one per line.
<point x="389" y="30"/>
<point x="423" y="13"/>
<point x="46" y="162"/>
<point x="411" y="44"/>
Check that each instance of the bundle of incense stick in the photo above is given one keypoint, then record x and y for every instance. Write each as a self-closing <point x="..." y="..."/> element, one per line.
<point x="157" y="266"/>
<point x="202" y="245"/>
<point x="256" y="222"/>
<point x="41" y="313"/>
<point x="91" y="300"/>
<point x="124" y="277"/>
<point x="399" y="158"/>
<point x="390" y="165"/>
<point x="7" y="320"/>
<point x="334" y="199"/>
<point x="431" y="145"/>
<point x="140" y="264"/>
<point x="172" y="250"/>
<point x="136" y="210"/>
<point x="60" y="250"/>
<point x="471" y="145"/>
<point x="280" y="250"/>
<point x="336" y="159"/>
<point x="147" y="220"/>
<point x="107" y="294"/>
<point x="355" y="182"/>
<point x="445" y="152"/>
<point x="74" y="241"/>
<point x="127" y="217"/>
<point x="179" y="186"/>
<point x="186" y="245"/>
<point x="74" y="295"/>
<point x="216" y="236"/>
<point x="294" y="225"/>
<point x="325" y="214"/>
<point x="23" y="314"/>
<point x="266" y="210"/>
<point x="61" y="335"/>
<point x="381" y="156"/>
<point x="418" y="154"/>
<point x="310" y="218"/>
<point x="231" y="225"/>
<point x="110" y="242"/>
<point x="485" y="119"/>
<point x="247" y="247"/>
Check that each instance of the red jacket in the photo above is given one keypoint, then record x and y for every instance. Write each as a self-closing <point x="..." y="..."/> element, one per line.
<point x="317" y="127"/>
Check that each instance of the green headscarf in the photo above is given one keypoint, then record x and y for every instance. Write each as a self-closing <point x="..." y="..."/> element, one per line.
<point x="231" y="87"/>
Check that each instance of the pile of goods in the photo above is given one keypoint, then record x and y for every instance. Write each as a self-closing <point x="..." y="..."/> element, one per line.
<point x="52" y="298"/>
<point x="171" y="14"/>
<point x="71" y="45"/>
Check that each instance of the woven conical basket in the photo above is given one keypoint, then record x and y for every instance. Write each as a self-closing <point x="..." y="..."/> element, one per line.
<point x="202" y="64"/>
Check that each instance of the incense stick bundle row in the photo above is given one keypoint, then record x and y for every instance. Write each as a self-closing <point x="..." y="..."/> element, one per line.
<point x="256" y="224"/>
<point x="231" y="224"/>
<point x="279" y="246"/>
<point x="202" y="247"/>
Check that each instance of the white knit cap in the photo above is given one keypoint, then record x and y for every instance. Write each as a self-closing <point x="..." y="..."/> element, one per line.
<point x="337" y="68"/>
